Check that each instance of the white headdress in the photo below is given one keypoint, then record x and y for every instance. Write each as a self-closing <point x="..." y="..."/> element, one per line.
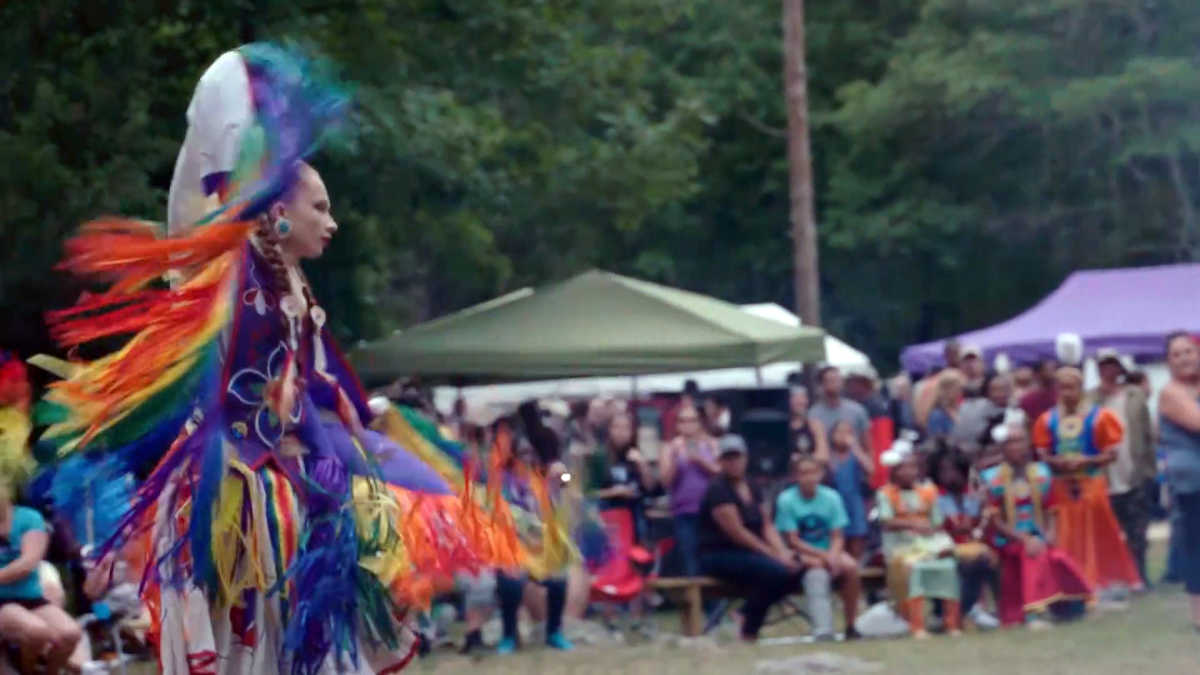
<point x="220" y="112"/>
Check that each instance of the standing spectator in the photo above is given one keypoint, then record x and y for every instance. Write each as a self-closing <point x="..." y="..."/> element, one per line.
<point x="1179" y="441"/>
<point x="925" y="394"/>
<point x="861" y="387"/>
<point x="40" y="629"/>
<point x="717" y="416"/>
<point x="812" y="518"/>
<point x="619" y="477"/>
<point x="1137" y="378"/>
<point x="975" y="415"/>
<point x="849" y="467"/>
<point x="831" y="407"/>
<point x="974" y="371"/>
<point x="919" y="556"/>
<point x="806" y="435"/>
<point x="1024" y="381"/>
<point x="1135" y="464"/>
<point x="900" y="403"/>
<point x="950" y="396"/>
<point x="739" y="542"/>
<point x="688" y="398"/>
<point x="1039" y="400"/>
<point x="1079" y="441"/>
<point x="687" y="464"/>
<point x="962" y="510"/>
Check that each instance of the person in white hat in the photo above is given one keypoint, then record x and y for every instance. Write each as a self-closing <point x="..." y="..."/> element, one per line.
<point x="1135" y="463"/>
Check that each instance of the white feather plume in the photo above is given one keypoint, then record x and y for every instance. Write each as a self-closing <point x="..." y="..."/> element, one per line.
<point x="1069" y="348"/>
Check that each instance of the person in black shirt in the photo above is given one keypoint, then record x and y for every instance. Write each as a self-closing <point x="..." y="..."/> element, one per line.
<point x="806" y="435"/>
<point x="738" y="541"/>
<point x="619" y="477"/>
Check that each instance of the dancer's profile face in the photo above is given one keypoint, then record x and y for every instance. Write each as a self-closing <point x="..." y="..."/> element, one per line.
<point x="309" y="212"/>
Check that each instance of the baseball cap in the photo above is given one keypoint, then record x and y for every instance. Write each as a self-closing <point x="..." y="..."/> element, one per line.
<point x="972" y="350"/>
<point x="1107" y="355"/>
<point x="732" y="444"/>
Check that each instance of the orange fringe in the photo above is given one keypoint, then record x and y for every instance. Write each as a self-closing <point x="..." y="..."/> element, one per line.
<point x="131" y="252"/>
<point x="165" y="323"/>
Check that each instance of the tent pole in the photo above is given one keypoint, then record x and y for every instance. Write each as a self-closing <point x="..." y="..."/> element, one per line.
<point x="758" y="376"/>
<point x="633" y="391"/>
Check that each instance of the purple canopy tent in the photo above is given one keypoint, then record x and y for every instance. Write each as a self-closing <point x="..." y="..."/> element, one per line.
<point x="1131" y="310"/>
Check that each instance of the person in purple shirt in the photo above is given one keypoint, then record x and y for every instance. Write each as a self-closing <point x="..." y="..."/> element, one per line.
<point x="688" y="463"/>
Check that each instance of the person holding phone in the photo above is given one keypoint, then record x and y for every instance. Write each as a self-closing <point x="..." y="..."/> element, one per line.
<point x="688" y="464"/>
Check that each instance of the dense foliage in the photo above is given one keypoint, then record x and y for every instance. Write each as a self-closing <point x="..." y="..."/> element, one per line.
<point x="968" y="153"/>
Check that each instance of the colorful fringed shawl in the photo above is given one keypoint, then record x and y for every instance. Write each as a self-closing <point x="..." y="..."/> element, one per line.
<point x="231" y="400"/>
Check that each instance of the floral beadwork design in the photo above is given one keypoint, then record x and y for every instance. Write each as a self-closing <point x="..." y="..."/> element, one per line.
<point x="254" y="387"/>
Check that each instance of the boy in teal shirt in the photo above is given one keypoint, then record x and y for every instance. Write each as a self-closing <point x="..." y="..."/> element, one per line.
<point x="811" y="518"/>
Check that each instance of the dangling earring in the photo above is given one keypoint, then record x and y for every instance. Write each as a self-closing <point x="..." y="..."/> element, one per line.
<point x="283" y="227"/>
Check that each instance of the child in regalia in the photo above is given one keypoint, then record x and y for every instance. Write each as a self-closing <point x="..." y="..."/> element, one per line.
<point x="283" y="534"/>
<point x="919" y="554"/>
<point x="1035" y="574"/>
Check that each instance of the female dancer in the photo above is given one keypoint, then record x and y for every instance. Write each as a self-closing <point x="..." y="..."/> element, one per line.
<point x="282" y="535"/>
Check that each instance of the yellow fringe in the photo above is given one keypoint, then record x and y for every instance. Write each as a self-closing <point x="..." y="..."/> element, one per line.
<point x="236" y="540"/>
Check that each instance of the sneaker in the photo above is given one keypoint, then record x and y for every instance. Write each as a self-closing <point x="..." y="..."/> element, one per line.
<point x="1038" y="624"/>
<point x="507" y="646"/>
<point x="852" y="634"/>
<point x="920" y="635"/>
<point x="559" y="641"/>
<point x="982" y="620"/>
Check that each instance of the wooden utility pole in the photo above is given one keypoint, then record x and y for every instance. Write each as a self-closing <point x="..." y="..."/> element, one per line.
<point x="802" y="214"/>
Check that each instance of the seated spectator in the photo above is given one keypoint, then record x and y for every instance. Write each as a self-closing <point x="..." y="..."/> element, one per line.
<point x="849" y="467"/>
<point x="963" y="514"/>
<point x="739" y="543"/>
<point x="40" y="629"/>
<point x="479" y="599"/>
<point x="919" y="555"/>
<point x="944" y="415"/>
<point x="812" y="519"/>
<point x="1034" y="573"/>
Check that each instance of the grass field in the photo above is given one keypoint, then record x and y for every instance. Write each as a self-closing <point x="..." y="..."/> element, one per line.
<point x="1152" y="637"/>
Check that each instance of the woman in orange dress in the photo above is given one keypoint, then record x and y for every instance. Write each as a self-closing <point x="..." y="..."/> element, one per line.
<point x="1077" y="440"/>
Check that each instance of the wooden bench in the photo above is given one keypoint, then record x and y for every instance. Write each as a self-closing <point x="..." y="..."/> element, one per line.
<point x="692" y="617"/>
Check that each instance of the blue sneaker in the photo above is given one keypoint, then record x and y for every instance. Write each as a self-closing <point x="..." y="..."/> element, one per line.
<point x="507" y="646"/>
<point x="559" y="641"/>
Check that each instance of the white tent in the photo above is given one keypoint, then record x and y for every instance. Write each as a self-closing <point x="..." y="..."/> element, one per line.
<point x="837" y="353"/>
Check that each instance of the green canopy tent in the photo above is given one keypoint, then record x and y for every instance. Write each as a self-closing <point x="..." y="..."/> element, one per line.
<point x="596" y="323"/>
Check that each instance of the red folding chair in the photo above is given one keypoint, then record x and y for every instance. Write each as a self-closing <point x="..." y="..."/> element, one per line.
<point x="619" y="580"/>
